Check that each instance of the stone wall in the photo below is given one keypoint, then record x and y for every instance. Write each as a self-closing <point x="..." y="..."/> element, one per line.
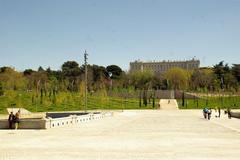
<point x="46" y="123"/>
<point x="72" y="120"/>
<point x="25" y="124"/>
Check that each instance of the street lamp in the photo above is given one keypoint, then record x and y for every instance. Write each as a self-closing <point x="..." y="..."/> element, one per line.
<point x="110" y="76"/>
<point x="85" y="60"/>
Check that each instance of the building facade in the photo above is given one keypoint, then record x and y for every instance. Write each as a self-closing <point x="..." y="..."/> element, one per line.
<point x="163" y="66"/>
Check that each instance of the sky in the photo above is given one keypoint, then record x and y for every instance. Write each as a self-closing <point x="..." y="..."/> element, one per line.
<point x="48" y="33"/>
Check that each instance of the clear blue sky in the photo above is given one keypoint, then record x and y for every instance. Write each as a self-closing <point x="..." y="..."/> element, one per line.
<point x="50" y="32"/>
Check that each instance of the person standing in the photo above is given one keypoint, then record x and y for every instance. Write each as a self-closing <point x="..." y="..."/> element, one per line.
<point x="10" y="120"/>
<point x="209" y="113"/>
<point x="216" y="112"/>
<point x="228" y="111"/>
<point x="219" y="112"/>
<point x="17" y="119"/>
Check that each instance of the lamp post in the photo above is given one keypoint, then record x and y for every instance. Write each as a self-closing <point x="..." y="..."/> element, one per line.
<point x="85" y="62"/>
<point x="222" y="87"/>
<point x="110" y="76"/>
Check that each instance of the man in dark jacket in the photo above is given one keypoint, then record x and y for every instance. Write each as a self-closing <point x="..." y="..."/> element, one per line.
<point x="205" y="112"/>
<point x="219" y="112"/>
<point x="11" y="118"/>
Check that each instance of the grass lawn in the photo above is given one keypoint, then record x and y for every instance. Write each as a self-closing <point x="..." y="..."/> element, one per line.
<point x="66" y="101"/>
<point x="232" y="102"/>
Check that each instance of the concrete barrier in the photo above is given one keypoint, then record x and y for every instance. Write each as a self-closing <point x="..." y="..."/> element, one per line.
<point x="25" y="124"/>
<point x="232" y="114"/>
<point x="46" y="123"/>
<point x="74" y="119"/>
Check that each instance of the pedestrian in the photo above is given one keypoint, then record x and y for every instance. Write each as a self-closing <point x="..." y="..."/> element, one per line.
<point x="205" y="112"/>
<point x="17" y="119"/>
<point x="216" y="112"/>
<point x="228" y="111"/>
<point x="209" y="113"/>
<point x="11" y="118"/>
<point x="219" y="112"/>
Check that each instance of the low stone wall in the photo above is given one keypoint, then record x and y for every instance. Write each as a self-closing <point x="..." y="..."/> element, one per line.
<point x="46" y="123"/>
<point x="25" y="124"/>
<point x="234" y="114"/>
<point x="64" y="114"/>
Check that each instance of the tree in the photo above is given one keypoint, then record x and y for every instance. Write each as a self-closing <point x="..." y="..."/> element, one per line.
<point x="183" y="99"/>
<point x="12" y="79"/>
<point x="142" y="79"/>
<point x="158" y="82"/>
<point x="99" y="73"/>
<point x="178" y="78"/>
<point x="153" y="100"/>
<point x="220" y="70"/>
<point x="202" y="79"/>
<point x="115" y="70"/>
<point x="28" y="72"/>
<point x="145" y="96"/>
<point x="71" y="69"/>
<point x="236" y="71"/>
<point x="40" y="69"/>
<point x="1" y="89"/>
<point x="4" y="69"/>
<point x="72" y="73"/>
<point x="230" y="82"/>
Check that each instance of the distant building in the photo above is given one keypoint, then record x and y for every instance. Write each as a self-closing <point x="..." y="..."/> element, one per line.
<point x="163" y="66"/>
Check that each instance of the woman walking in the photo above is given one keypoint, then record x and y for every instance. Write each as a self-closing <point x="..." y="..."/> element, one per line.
<point x="17" y="119"/>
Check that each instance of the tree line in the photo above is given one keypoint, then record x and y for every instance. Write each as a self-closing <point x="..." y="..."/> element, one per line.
<point x="70" y="78"/>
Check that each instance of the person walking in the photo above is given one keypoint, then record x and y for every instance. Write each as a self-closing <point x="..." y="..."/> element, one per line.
<point x="205" y="112"/>
<point x="209" y="113"/>
<point x="17" y="119"/>
<point x="11" y="118"/>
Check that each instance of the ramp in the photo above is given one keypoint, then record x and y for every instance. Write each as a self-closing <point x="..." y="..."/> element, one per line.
<point x="22" y="110"/>
<point x="168" y="104"/>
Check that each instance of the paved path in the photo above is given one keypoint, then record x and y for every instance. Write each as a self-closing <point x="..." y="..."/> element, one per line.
<point x="169" y="104"/>
<point x="131" y="135"/>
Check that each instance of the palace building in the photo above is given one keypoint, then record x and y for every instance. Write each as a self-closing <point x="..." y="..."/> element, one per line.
<point x="163" y="66"/>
